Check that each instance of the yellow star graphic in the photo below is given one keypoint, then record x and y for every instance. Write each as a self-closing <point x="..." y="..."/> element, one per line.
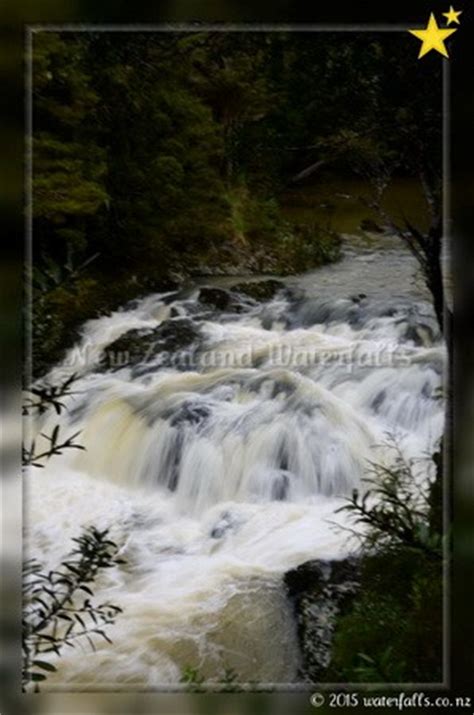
<point x="432" y="37"/>
<point x="452" y="15"/>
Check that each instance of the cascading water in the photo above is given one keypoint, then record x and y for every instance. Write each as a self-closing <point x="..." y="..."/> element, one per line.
<point x="218" y="463"/>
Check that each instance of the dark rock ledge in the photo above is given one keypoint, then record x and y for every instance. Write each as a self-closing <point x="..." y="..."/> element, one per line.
<point x="142" y="345"/>
<point x="320" y="592"/>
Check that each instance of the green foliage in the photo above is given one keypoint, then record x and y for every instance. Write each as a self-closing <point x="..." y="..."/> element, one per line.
<point x="164" y="151"/>
<point x="62" y="187"/>
<point x="252" y="218"/>
<point x="43" y="397"/>
<point x="230" y="681"/>
<point x="56" y="314"/>
<point x="54" y="615"/>
<point x="57" y="606"/>
<point x="193" y="679"/>
<point x="394" y="510"/>
<point x="393" y="630"/>
<point x="69" y="163"/>
<point x="54" y="444"/>
<point x="40" y="398"/>
<point x="309" y="244"/>
<point x="157" y="153"/>
<point x="196" y="682"/>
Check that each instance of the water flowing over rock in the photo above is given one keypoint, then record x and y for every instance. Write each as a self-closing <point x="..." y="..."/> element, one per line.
<point x="260" y="290"/>
<point x="218" y="454"/>
<point x="219" y="299"/>
<point x="142" y="345"/>
<point x="320" y="591"/>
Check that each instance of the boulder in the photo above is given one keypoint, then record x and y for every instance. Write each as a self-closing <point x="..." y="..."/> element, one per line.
<point x="357" y="298"/>
<point x="219" y="299"/>
<point x="320" y="591"/>
<point x="141" y="345"/>
<point x="260" y="290"/>
<point x="226" y="523"/>
<point x="419" y="334"/>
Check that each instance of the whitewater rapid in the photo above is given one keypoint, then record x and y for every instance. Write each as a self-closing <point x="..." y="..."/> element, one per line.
<point x="221" y="467"/>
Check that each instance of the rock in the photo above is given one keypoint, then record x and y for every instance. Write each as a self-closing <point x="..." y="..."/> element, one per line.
<point x="173" y="335"/>
<point x="378" y="400"/>
<point x="225" y="523"/>
<point x="320" y="591"/>
<point x="219" y="299"/>
<point x="357" y="298"/>
<point x="314" y="311"/>
<point x="260" y="290"/>
<point x="420" y="335"/>
<point x="142" y="345"/>
<point x="368" y="224"/>
<point x="203" y="270"/>
<point x="295" y="293"/>
<point x="191" y="414"/>
<point x="281" y="486"/>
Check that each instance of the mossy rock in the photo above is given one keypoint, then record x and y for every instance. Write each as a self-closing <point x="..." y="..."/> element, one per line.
<point x="320" y="592"/>
<point x="142" y="345"/>
<point x="220" y="299"/>
<point x="260" y="290"/>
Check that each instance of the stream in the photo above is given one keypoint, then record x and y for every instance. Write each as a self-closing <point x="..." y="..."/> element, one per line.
<point x="219" y="452"/>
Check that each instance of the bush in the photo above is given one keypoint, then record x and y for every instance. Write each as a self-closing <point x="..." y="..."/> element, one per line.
<point x="393" y="631"/>
<point x="56" y="613"/>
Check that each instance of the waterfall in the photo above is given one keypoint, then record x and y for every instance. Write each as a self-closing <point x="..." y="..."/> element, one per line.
<point x="218" y="451"/>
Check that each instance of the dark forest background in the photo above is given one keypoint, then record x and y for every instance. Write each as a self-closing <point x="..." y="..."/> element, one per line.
<point x="461" y="105"/>
<point x="159" y="156"/>
<point x="162" y="157"/>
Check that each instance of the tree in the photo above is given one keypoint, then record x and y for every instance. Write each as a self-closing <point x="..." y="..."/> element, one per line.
<point x="158" y="154"/>
<point x="69" y="164"/>
<point x="401" y="135"/>
<point x="229" y="73"/>
<point x="164" y="150"/>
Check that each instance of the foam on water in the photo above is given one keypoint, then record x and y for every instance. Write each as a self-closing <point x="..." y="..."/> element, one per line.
<point x="217" y="478"/>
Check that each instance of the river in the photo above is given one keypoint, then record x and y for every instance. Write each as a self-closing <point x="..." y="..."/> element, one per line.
<point x="220" y="468"/>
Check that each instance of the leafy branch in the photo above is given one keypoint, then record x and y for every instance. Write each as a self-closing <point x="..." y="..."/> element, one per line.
<point x="43" y="398"/>
<point x="394" y="511"/>
<point x="51" y="274"/>
<point x="55" y="446"/>
<point x="54" y="614"/>
<point x="46" y="396"/>
<point x="196" y="682"/>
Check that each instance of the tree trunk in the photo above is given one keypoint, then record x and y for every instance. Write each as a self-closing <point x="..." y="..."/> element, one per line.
<point x="433" y="271"/>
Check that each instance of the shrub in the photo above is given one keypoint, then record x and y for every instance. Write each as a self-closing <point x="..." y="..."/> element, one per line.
<point x="393" y="630"/>
<point x="55" y="612"/>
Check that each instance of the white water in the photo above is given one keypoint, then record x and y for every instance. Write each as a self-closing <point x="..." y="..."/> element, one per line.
<point x="217" y="477"/>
